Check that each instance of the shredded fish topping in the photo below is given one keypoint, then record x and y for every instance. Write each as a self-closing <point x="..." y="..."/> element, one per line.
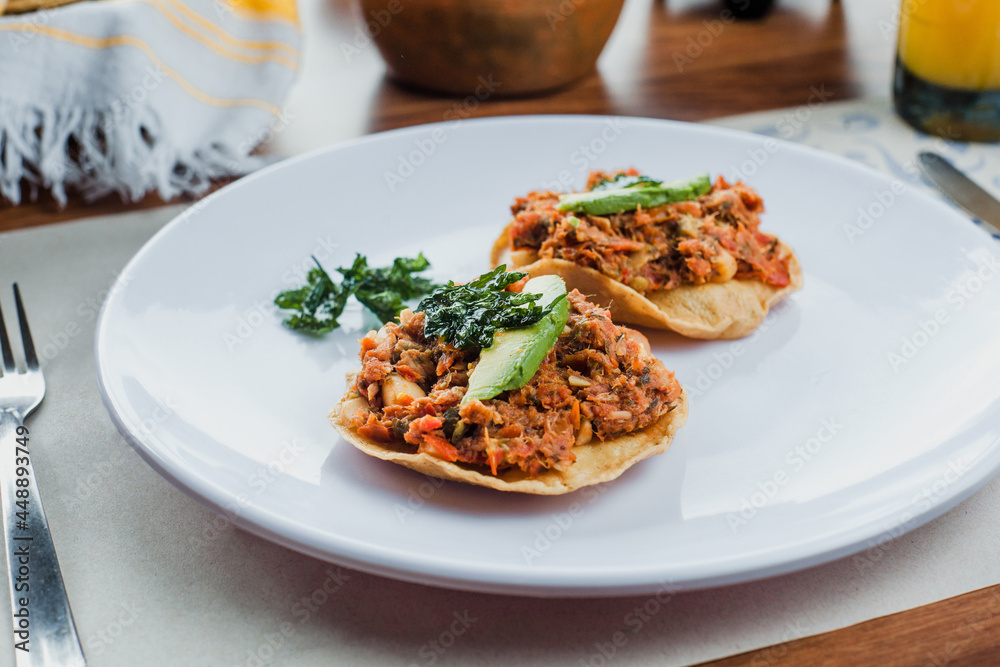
<point x="599" y="380"/>
<point x="714" y="238"/>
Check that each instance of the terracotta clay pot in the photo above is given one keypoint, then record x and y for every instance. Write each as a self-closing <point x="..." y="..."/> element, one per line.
<point x="519" y="46"/>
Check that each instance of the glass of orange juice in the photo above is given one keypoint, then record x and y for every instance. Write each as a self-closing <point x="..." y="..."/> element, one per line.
<point x="947" y="78"/>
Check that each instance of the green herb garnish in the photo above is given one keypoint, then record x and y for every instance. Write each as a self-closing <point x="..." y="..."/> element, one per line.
<point x="382" y="290"/>
<point x="468" y="315"/>
<point x="318" y="304"/>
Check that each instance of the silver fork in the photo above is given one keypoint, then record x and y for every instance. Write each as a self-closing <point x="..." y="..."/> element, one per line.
<point x="44" y="632"/>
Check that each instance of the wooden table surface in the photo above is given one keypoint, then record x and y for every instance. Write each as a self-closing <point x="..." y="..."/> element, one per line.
<point x="843" y="49"/>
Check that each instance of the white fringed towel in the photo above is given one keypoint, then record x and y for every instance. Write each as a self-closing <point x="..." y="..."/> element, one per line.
<point x="129" y="96"/>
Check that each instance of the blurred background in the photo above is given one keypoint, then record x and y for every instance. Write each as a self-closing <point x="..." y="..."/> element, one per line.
<point x="353" y="67"/>
<point x="675" y="59"/>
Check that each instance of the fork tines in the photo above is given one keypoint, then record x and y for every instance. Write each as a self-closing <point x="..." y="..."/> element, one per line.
<point x="30" y="360"/>
<point x="8" y="355"/>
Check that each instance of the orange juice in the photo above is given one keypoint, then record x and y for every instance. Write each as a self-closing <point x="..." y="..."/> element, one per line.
<point x="948" y="68"/>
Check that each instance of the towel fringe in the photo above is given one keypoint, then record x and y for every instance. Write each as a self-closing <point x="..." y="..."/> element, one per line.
<point x="98" y="152"/>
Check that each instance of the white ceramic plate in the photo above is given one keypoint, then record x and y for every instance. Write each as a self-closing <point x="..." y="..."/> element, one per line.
<point x="864" y="407"/>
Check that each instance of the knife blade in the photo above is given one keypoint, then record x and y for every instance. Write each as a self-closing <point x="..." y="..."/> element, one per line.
<point x="962" y="190"/>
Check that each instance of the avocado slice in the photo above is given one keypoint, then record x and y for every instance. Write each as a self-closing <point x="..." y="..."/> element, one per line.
<point x="516" y="354"/>
<point x="618" y="200"/>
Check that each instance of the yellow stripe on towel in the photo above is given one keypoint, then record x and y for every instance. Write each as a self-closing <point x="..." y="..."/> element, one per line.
<point x="221" y="50"/>
<point x="264" y="10"/>
<point x="126" y="40"/>
<point x="226" y="37"/>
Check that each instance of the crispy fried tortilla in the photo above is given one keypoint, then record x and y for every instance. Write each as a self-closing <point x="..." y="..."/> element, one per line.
<point x="699" y="265"/>
<point x="730" y="309"/>
<point x="596" y="462"/>
<point x="596" y="403"/>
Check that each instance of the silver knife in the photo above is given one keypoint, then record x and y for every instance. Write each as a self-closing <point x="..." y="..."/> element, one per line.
<point x="959" y="188"/>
